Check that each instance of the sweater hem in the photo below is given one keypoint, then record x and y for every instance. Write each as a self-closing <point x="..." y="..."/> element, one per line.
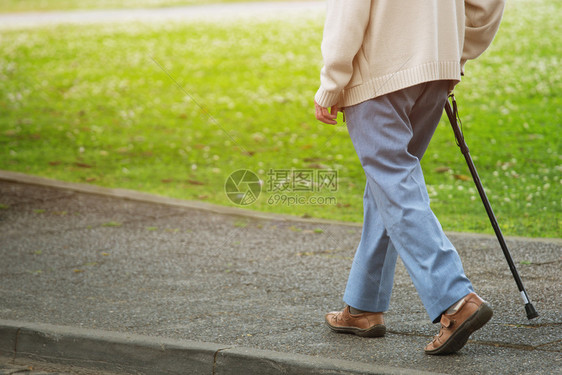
<point x="378" y="86"/>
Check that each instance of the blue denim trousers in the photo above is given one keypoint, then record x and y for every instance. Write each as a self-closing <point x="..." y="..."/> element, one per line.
<point x="390" y="134"/>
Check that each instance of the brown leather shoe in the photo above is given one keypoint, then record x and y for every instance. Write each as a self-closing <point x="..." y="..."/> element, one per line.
<point x="456" y="328"/>
<point x="368" y="324"/>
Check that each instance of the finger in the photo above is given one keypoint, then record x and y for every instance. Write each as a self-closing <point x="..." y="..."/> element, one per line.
<point x="319" y="114"/>
<point x="327" y="118"/>
<point x="322" y="114"/>
<point x="318" y="109"/>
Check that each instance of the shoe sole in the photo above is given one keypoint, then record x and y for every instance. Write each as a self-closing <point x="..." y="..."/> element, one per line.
<point x="378" y="330"/>
<point x="459" y="338"/>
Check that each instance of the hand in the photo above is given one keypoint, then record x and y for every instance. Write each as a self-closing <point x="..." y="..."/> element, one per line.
<point x="325" y="115"/>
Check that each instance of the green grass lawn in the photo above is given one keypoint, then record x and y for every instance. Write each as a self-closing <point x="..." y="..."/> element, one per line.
<point x="50" y="5"/>
<point x="89" y="104"/>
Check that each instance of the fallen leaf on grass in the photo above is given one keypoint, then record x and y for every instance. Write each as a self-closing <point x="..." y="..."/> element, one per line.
<point x="195" y="182"/>
<point x="317" y="166"/>
<point x="83" y="165"/>
<point x="56" y="162"/>
<point x="442" y="169"/>
<point x="462" y="177"/>
<point x="10" y="133"/>
<point x="314" y="158"/>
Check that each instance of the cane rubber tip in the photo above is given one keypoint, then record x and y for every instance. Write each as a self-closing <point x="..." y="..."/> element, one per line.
<point x="531" y="312"/>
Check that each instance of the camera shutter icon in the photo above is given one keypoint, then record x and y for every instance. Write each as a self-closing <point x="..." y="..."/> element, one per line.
<point x="242" y="187"/>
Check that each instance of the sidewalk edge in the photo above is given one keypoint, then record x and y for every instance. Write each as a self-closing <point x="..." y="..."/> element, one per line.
<point x="132" y="353"/>
<point x="18" y="177"/>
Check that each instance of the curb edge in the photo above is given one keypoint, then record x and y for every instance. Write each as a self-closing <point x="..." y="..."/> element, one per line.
<point x="134" y="354"/>
<point x="133" y="195"/>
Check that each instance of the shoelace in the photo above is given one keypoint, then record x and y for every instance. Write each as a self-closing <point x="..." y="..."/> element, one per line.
<point x="338" y="317"/>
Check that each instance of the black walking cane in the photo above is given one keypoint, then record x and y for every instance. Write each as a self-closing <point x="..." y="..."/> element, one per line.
<point x="452" y="114"/>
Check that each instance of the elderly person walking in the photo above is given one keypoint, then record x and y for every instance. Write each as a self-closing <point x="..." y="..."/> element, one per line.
<point x="389" y="65"/>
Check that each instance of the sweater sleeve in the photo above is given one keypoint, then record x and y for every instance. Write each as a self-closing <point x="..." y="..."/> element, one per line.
<point x="346" y="22"/>
<point x="481" y="24"/>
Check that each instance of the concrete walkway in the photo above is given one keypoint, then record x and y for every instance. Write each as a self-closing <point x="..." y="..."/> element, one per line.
<point x="214" y="12"/>
<point x="126" y="282"/>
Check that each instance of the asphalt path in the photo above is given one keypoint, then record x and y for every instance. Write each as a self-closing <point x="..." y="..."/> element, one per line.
<point x="131" y="263"/>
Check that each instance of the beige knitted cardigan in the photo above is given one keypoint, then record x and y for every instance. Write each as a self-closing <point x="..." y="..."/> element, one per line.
<point x="373" y="47"/>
